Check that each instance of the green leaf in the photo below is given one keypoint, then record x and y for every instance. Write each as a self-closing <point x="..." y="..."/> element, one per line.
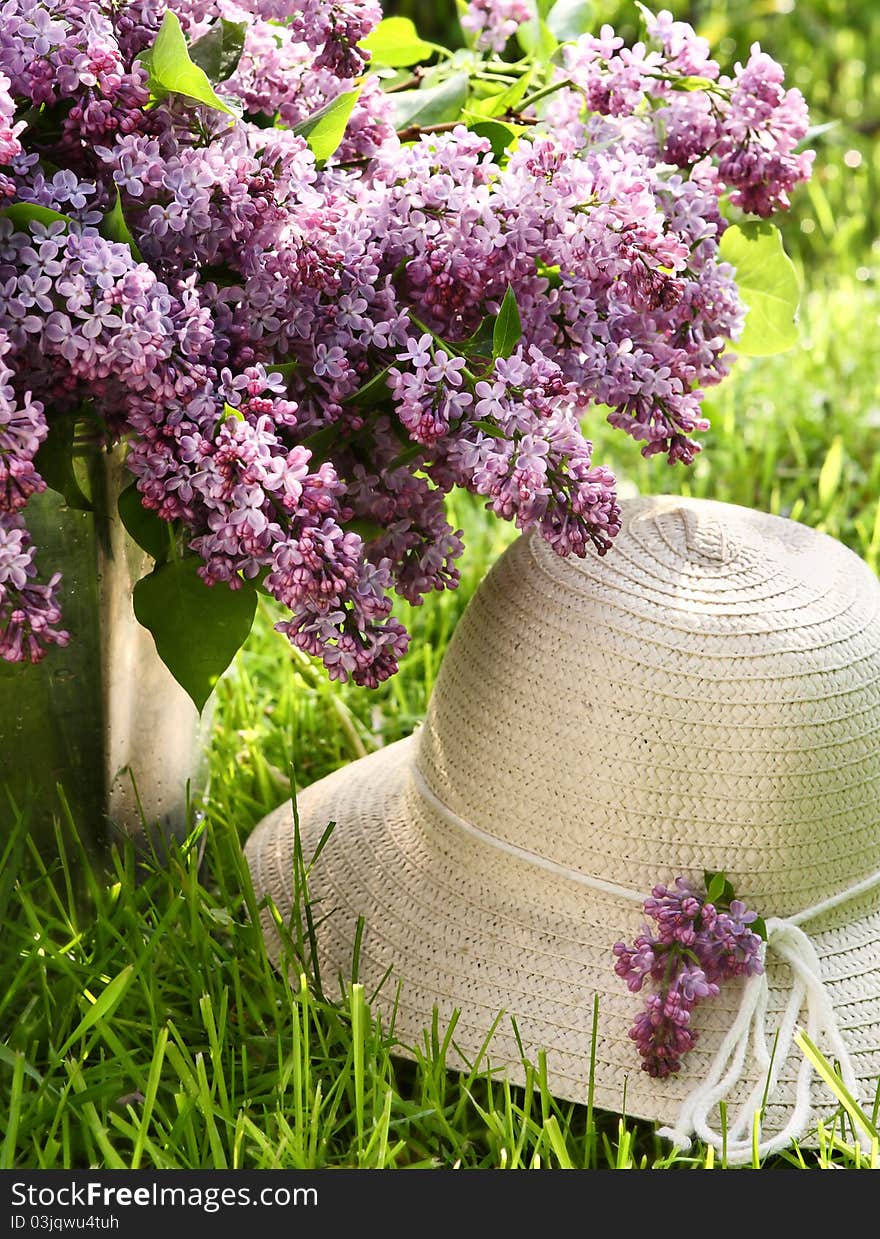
<point x="479" y="343"/>
<point x="834" y="1081"/>
<point x="508" y="326"/>
<point x="395" y="42"/>
<point x="537" y="39"/>
<point x="501" y="135"/>
<point x="718" y="890"/>
<point x="767" y="284"/>
<point x="285" y="368"/>
<point x="114" y="228"/>
<point x="148" y="530"/>
<point x="104" y="1005"/>
<point x="569" y="19"/>
<point x="325" y="129"/>
<point x="692" y="83"/>
<point x="219" y="51"/>
<point x="489" y="428"/>
<point x="714" y="886"/>
<point x="172" y="71"/>
<point x="506" y="101"/>
<point x="24" y="213"/>
<point x="374" y="391"/>
<point x="54" y="463"/>
<point x="322" y="443"/>
<point x="830" y="474"/>
<point x="435" y="106"/>
<point x="197" y="628"/>
<point x="9" y="1057"/>
<point x="557" y="1143"/>
<point x="229" y="410"/>
<point x="759" y="926"/>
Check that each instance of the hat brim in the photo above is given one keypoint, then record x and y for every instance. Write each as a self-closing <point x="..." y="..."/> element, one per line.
<point x="464" y="927"/>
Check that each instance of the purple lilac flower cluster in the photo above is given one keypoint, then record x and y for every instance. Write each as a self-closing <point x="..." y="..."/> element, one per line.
<point x="228" y="334"/>
<point x="29" y="612"/>
<point x="696" y="946"/>
<point x="740" y="132"/>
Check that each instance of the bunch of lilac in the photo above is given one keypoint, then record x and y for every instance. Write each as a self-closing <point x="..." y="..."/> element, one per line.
<point x="294" y="351"/>
<point x="696" y="946"/>
<point x="740" y="132"/>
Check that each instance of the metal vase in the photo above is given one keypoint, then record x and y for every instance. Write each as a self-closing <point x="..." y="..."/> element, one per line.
<point x="100" y="724"/>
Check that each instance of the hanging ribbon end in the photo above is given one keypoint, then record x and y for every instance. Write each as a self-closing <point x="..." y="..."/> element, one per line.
<point x="680" y="1139"/>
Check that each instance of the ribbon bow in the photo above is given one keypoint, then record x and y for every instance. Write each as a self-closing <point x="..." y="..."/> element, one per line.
<point x="788" y="941"/>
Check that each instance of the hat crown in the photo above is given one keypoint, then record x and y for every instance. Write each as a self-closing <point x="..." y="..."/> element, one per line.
<point x="705" y="696"/>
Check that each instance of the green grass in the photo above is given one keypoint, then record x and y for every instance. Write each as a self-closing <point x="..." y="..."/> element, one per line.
<point x="143" y="1025"/>
<point x="149" y="1030"/>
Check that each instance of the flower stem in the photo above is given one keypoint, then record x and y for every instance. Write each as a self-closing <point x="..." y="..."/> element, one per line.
<point x="543" y="94"/>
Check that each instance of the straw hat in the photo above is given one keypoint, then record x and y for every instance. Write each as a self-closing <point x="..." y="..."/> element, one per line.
<point x="704" y="697"/>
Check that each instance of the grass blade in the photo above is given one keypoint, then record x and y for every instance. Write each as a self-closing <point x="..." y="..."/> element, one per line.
<point x="836" y="1084"/>
<point x="102" y="1006"/>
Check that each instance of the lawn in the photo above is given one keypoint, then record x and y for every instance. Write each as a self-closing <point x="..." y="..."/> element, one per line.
<point x="141" y="1024"/>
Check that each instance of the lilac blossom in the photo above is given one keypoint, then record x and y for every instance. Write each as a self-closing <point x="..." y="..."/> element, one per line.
<point x="696" y="947"/>
<point x="230" y="342"/>
<point x="757" y="152"/>
<point x="29" y="612"/>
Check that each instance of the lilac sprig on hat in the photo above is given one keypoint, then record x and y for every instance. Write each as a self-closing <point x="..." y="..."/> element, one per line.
<point x="702" y="939"/>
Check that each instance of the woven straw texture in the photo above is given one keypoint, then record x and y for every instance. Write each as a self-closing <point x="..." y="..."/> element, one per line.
<point x="706" y="696"/>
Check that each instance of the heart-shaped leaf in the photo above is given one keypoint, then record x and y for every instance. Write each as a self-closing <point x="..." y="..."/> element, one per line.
<point x="374" y="391"/>
<point x="24" y="213"/>
<point x="395" y="42"/>
<point x="197" y="628"/>
<point x="689" y="82"/>
<point x="501" y="135"/>
<point x="479" y="343"/>
<point x="506" y="100"/>
<point x="569" y="19"/>
<point x="718" y="889"/>
<point x="768" y="286"/>
<point x="173" y="72"/>
<point x="367" y="531"/>
<point x="537" y="39"/>
<point x="145" y="527"/>
<point x="489" y="428"/>
<point x="54" y="463"/>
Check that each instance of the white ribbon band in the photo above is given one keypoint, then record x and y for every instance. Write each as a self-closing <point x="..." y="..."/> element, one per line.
<point x="789" y="943"/>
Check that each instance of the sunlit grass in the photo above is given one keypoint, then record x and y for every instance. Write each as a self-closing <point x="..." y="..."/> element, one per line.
<point x="147" y="1028"/>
